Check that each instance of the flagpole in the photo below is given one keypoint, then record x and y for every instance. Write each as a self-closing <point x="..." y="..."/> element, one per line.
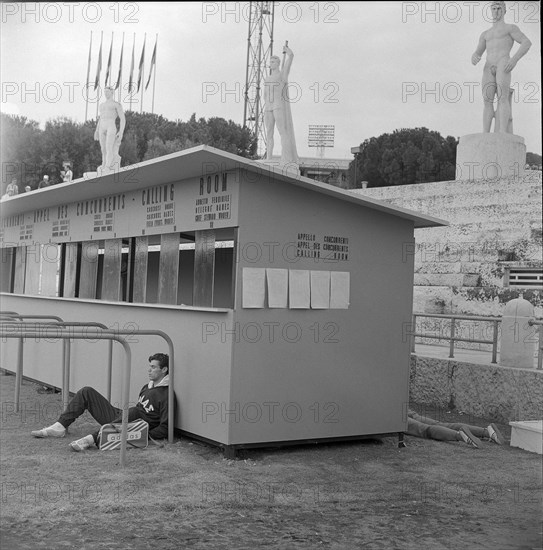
<point x="119" y="84"/>
<point x="87" y="83"/>
<point x="154" y="76"/>
<point x="130" y="83"/>
<point x="109" y="59"/>
<point x="111" y="67"/>
<point x="143" y="72"/>
<point x="98" y="97"/>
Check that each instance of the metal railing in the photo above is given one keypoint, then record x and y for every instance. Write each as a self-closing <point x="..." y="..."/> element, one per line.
<point x="452" y="337"/>
<point x="5" y="317"/>
<point x="66" y="356"/>
<point x="109" y="335"/>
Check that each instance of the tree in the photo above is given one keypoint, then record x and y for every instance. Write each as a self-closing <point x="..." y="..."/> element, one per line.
<point x="29" y="152"/>
<point x="406" y="156"/>
<point x="533" y="159"/>
<point x="158" y="148"/>
<point x="65" y="140"/>
<point x="163" y="136"/>
<point x="20" y="150"/>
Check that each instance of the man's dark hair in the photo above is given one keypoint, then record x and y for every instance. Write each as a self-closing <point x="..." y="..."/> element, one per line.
<point x="162" y="358"/>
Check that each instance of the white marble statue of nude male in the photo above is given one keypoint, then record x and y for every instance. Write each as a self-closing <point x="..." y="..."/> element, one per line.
<point x="498" y="42"/>
<point x="106" y="131"/>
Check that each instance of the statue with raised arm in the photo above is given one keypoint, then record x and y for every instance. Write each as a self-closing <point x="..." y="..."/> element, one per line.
<point x="498" y="42"/>
<point x="277" y="108"/>
<point x="107" y="134"/>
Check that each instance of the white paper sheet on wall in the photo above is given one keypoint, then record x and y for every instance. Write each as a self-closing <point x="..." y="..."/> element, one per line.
<point x="277" y="280"/>
<point x="339" y="290"/>
<point x="254" y="287"/>
<point x="298" y="289"/>
<point x="320" y="289"/>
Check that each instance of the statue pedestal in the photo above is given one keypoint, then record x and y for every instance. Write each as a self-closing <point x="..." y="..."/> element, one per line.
<point x="490" y="156"/>
<point x="290" y="169"/>
<point x="104" y="170"/>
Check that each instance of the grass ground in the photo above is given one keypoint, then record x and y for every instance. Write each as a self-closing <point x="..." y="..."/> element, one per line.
<point x="368" y="494"/>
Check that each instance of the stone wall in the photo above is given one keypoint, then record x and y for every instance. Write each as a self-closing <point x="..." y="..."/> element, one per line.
<point x="501" y="394"/>
<point x="493" y="224"/>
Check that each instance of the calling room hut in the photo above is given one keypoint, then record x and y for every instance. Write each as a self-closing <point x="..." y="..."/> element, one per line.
<point x="287" y="299"/>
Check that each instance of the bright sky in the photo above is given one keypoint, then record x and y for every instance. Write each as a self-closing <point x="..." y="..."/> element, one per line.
<point x="364" y="67"/>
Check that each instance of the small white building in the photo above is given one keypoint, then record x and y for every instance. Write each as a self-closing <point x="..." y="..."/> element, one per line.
<point x="289" y="301"/>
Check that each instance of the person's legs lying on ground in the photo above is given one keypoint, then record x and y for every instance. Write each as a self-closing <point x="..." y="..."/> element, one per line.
<point x="441" y="433"/>
<point x="491" y="432"/>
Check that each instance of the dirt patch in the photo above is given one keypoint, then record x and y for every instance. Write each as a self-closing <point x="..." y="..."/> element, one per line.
<point x="368" y="494"/>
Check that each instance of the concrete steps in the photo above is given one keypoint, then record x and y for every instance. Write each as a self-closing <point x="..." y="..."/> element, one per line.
<point x="493" y="224"/>
<point x="527" y="186"/>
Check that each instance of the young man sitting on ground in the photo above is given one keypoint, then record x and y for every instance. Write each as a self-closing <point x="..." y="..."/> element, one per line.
<point x="152" y="407"/>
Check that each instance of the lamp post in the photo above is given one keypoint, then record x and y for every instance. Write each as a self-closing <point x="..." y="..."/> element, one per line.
<point x="355" y="151"/>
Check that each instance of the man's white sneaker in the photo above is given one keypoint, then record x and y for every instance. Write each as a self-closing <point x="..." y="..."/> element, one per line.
<point x="469" y="438"/>
<point x="494" y="434"/>
<point x="82" y="444"/>
<point x="50" y="432"/>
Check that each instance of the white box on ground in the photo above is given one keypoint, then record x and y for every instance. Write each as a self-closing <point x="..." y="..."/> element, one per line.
<point x="527" y="435"/>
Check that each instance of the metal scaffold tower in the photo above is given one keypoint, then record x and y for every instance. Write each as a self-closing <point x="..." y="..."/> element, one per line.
<point x="259" y="51"/>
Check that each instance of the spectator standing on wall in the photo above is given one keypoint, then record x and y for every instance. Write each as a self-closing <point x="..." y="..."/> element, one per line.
<point x="12" y="189"/>
<point x="44" y="182"/>
<point x="67" y="174"/>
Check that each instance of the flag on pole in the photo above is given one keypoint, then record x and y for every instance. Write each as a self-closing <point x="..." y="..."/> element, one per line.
<point x="140" y="75"/>
<point x="118" y="83"/>
<point x="108" y="70"/>
<point x="99" y="67"/>
<point x="131" y="77"/>
<point x="87" y="83"/>
<point x="153" y="62"/>
<point x="89" y="62"/>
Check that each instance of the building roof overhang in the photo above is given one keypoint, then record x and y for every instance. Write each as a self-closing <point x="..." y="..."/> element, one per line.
<point x="190" y="163"/>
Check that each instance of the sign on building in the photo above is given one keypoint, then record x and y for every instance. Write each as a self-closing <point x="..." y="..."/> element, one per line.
<point x="321" y="136"/>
